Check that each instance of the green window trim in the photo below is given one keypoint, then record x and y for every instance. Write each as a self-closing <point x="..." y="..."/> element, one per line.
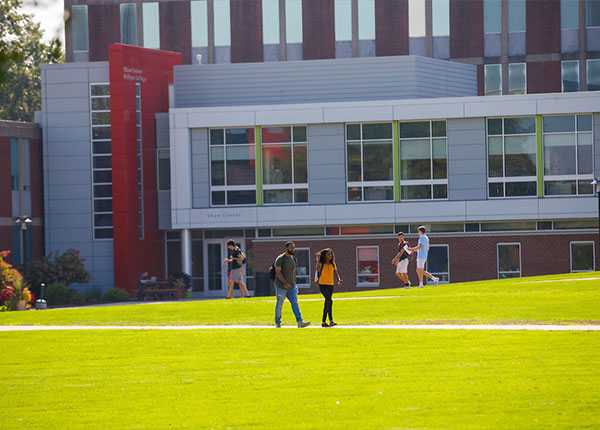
<point x="396" y="155"/>
<point x="258" y="152"/>
<point x="540" y="156"/>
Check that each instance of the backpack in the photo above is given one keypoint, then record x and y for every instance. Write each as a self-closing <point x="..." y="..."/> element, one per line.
<point x="244" y="258"/>
<point x="273" y="271"/>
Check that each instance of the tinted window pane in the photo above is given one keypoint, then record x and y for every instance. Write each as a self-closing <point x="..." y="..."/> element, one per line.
<point x="414" y="129"/>
<point x="276" y="134"/>
<point x="79" y="28"/>
<point x="569" y="13"/>
<point x="100" y="132"/>
<point x="301" y="196"/>
<point x="218" y="198"/>
<point x="492" y="13"/>
<point x="592" y="13"/>
<point x="378" y="163"/>
<point x="150" y="25"/>
<point x="570" y="76"/>
<point x="517" y="78"/>
<point x="582" y="256"/>
<point x="437" y="259"/>
<point x="103" y="220"/>
<point x="377" y="131"/>
<point x="559" y="154"/>
<point x="101" y="147"/>
<point x="495" y="157"/>
<point x="519" y="125"/>
<point x="240" y="165"/>
<point x="164" y="170"/>
<point x="494" y="126"/>
<point x="520" y="189"/>
<point x="102" y="190"/>
<point x="239" y="136"/>
<point x="300" y="165"/>
<point x="415" y="192"/>
<point x="100" y="118"/>
<point x="103" y="233"/>
<point x="354" y="194"/>
<point x="103" y="205"/>
<point x="354" y="168"/>
<point x="585" y="187"/>
<point x="300" y="134"/>
<point x="584" y="122"/>
<point x="217" y="167"/>
<point x="128" y="24"/>
<point x="216" y="137"/>
<point x="556" y="124"/>
<point x="496" y="189"/>
<point x="102" y="162"/>
<point x="516" y="15"/>
<point x="378" y="193"/>
<point x="492" y="77"/>
<point x="100" y="90"/>
<point x="102" y="176"/>
<point x="509" y="258"/>
<point x="277" y="164"/>
<point x="277" y="196"/>
<point x="415" y="159"/>
<point x="560" y="188"/>
<point x="440" y="161"/>
<point x="245" y="197"/>
<point x="585" y="159"/>
<point x="438" y="128"/>
<point x="520" y="156"/>
<point x="353" y="132"/>
<point x="440" y="191"/>
<point x="593" y="72"/>
<point x="199" y="23"/>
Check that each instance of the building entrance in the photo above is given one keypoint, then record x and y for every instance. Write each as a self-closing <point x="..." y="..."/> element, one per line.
<point x="216" y="271"/>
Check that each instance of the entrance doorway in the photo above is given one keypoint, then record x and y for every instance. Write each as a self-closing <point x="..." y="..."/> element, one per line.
<point x="215" y="281"/>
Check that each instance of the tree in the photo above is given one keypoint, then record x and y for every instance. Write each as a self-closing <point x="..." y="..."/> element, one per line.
<point x="22" y="53"/>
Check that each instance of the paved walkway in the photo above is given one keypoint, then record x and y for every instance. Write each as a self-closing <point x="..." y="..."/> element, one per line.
<point x="529" y="327"/>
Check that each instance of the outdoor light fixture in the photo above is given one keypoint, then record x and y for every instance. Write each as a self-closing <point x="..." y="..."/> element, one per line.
<point x="23" y="221"/>
<point x="199" y="58"/>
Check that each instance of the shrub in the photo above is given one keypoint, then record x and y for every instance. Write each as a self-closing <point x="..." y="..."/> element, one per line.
<point x="176" y="278"/>
<point x="65" y="269"/>
<point x="116" y="294"/>
<point x="60" y="294"/>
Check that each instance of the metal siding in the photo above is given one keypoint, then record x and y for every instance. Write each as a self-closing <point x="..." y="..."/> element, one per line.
<point x="162" y="130"/>
<point x="326" y="183"/>
<point x="164" y="210"/>
<point x="596" y="128"/>
<point x="200" y="170"/>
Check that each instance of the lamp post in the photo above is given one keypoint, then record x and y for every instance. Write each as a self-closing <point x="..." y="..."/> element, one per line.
<point x="23" y="222"/>
<point x="596" y="185"/>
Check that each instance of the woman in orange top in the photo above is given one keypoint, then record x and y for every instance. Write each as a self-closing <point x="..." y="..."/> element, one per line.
<point x="326" y="272"/>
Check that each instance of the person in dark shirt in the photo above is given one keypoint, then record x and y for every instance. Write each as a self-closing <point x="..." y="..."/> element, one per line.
<point x="236" y="274"/>
<point x="402" y="259"/>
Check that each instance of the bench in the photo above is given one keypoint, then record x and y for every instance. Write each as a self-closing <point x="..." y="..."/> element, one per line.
<point x="158" y="290"/>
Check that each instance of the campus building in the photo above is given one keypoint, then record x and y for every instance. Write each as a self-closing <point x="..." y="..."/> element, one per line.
<point x="322" y="129"/>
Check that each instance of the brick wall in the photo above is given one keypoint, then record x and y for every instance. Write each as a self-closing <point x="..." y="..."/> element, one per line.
<point x="471" y="258"/>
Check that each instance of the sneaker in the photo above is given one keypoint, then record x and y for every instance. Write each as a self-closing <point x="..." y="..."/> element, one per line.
<point x="332" y="324"/>
<point x="407" y="287"/>
<point x="436" y="281"/>
<point x="324" y="325"/>
<point x="420" y="286"/>
<point x="302" y="324"/>
<point x="277" y="325"/>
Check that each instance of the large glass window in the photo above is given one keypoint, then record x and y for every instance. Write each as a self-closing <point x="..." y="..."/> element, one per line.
<point x="370" y="165"/>
<point x="440" y="14"/>
<point x="416" y="18"/>
<point x="367" y="266"/>
<point x="164" y="170"/>
<point x="222" y="22"/>
<point x="303" y="269"/>
<point x="517" y="78"/>
<point x="199" y="18"/>
<point x="509" y="260"/>
<point x="512" y="157"/>
<point x="592" y="13"/>
<point x="285" y="174"/>
<point x="437" y="262"/>
<point x="423" y="160"/>
<point x="232" y="166"/>
<point x="569" y="13"/>
<point x="569" y="71"/>
<point x="366" y="19"/>
<point x="492" y="14"/>
<point x="343" y="20"/>
<point x="492" y="78"/>
<point x="101" y="161"/>
<point x="293" y="21"/>
<point x="128" y="23"/>
<point x="151" y="25"/>
<point x="516" y="15"/>
<point x="582" y="257"/>
<point x="593" y="74"/>
<point x="79" y="27"/>
<point x="270" y="22"/>
<point x="568" y="154"/>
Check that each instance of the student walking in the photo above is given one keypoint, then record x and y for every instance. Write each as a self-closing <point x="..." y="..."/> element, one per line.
<point x="285" y="284"/>
<point x="402" y="259"/>
<point x="236" y="274"/>
<point x="422" y="249"/>
<point x="324" y="277"/>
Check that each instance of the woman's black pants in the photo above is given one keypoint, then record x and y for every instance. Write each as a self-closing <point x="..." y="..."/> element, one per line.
<point x="327" y="291"/>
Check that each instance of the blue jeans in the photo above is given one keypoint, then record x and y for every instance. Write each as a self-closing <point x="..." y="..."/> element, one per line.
<point x="292" y="295"/>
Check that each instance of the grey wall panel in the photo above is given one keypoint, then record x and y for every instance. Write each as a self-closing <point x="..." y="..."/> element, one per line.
<point x="467" y="166"/>
<point x="74" y="104"/>
<point x="63" y="91"/>
<point x="164" y="210"/>
<point x="69" y="206"/>
<point x="441" y="47"/>
<point x="66" y="75"/>
<point x="59" y="134"/>
<point x="70" y="177"/>
<point x="343" y="49"/>
<point x="366" y="48"/>
<point x="200" y="169"/>
<point x="596" y="120"/>
<point x="222" y="54"/>
<point x="271" y="52"/>
<point x="67" y="149"/>
<point x="313" y="81"/>
<point x="162" y="130"/>
<point x="103" y="248"/>
<point x="293" y="51"/>
<point x="326" y="182"/>
<point x="569" y="40"/>
<point x="417" y="46"/>
<point x="516" y="43"/>
<point x="592" y="35"/>
<point x="492" y="44"/>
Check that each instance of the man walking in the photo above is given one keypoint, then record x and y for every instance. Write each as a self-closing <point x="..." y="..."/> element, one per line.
<point x="285" y="284"/>
<point x="422" y="249"/>
<point x="235" y="260"/>
<point x="402" y="259"/>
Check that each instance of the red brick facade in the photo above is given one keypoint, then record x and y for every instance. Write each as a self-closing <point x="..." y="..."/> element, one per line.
<point x="466" y="28"/>
<point x="391" y="27"/>
<point x="104" y="28"/>
<point x="471" y="258"/>
<point x="246" y="31"/>
<point x="318" y="29"/>
<point x="543" y="39"/>
<point x="176" y="28"/>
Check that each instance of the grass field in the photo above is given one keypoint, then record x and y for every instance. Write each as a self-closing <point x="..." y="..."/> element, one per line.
<point x="314" y="379"/>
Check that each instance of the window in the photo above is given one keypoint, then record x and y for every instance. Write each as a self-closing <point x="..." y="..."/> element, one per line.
<point x="151" y="25"/>
<point x="222" y="23"/>
<point x="101" y="161"/>
<point x="512" y="157"/>
<point x="293" y="21"/>
<point x="492" y="79"/>
<point x="416" y="18"/>
<point x="79" y="27"/>
<point x="569" y="14"/>
<point x="517" y="78"/>
<point x="285" y="174"/>
<point x="492" y="14"/>
<point x="140" y="173"/>
<point x="303" y="268"/>
<point x="128" y="23"/>
<point x="569" y="71"/>
<point x="173" y="252"/>
<point x="270" y="22"/>
<point x="592" y="13"/>
<point x="343" y="20"/>
<point x="440" y="14"/>
<point x="437" y="262"/>
<point x="516" y="15"/>
<point x="366" y="19"/>
<point x="582" y="257"/>
<point x="509" y="260"/>
<point x="423" y="160"/>
<point x="199" y="18"/>
<point x="367" y="265"/>
<point x="232" y="166"/>
<point x="370" y="165"/>
<point x="568" y="155"/>
<point x="164" y="170"/>
<point x="593" y="75"/>
<point x="14" y="163"/>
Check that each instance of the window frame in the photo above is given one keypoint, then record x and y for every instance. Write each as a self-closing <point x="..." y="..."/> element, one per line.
<point x="441" y="245"/>
<point x="498" y="245"/>
<point x="489" y="66"/>
<point x="582" y="242"/>
<point x="378" y="274"/>
<point x="562" y="79"/>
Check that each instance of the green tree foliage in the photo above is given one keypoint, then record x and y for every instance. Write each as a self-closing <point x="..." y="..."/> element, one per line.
<point x="22" y="53"/>
<point x="55" y="268"/>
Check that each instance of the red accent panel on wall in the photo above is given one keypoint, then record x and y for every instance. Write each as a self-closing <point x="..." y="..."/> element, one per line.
<point x="391" y="27"/>
<point x="543" y="26"/>
<point x="176" y="28"/>
<point x="153" y="69"/>
<point x="543" y="77"/>
<point x="246" y="31"/>
<point x="466" y="28"/>
<point x="318" y="29"/>
<point x="104" y="29"/>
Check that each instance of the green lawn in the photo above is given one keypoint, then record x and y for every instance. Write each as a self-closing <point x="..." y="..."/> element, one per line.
<point x="525" y="300"/>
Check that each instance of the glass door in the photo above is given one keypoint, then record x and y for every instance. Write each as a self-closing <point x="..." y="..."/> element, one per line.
<point x="216" y="271"/>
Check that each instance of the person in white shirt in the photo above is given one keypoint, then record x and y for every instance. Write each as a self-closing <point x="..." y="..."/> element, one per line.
<point x="422" y="249"/>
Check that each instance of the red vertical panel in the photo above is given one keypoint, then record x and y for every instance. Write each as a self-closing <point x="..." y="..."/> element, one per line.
<point x="246" y="31"/>
<point x="176" y="28"/>
<point x="543" y="77"/>
<point x="154" y="70"/>
<point x="466" y="28"/>
<point x="543" y="26"/>
<point x="318" y="29"/>
<point x="104" y="29"/>
<point x="391" y="27"/>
